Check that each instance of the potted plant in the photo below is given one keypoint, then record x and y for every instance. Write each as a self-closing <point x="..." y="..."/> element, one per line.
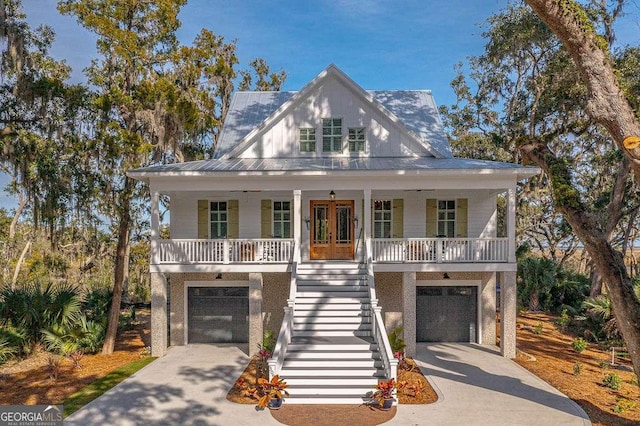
<point x="385" y="392"/>
<point x="271" y="392"/>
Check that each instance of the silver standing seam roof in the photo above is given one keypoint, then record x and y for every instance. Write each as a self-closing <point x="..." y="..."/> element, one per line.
<point x="416" y="109"/>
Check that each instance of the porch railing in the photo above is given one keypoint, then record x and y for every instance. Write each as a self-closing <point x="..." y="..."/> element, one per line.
<point x="286" y="329"/>
<point x="197" y="251"/>
<point x="440" y="250"/>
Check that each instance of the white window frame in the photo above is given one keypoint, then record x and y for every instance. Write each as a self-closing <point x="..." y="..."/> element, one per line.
<point x="218" y="220"/>
<point x="378" y="223"/>
<point x="333" y="136"/>
<point x="280" y="221"/>
<point x="304" y="136"/>
<point x="358" y="137"/>
<point x="448" y="222"/>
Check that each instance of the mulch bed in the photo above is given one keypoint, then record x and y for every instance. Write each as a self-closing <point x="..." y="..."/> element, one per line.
<point x="27" y="381"/>
<point x="331" y="415"/>
<point x="549" y="356"/>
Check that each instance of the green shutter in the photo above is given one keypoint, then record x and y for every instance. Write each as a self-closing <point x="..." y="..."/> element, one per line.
<point x="461" y="218"/>
<point x="203" y="219"/>
<point x="266" y="213"/>
<point x="232" y="219"/>
<point x="432" y="217"/>
<point x="397" y="227"/>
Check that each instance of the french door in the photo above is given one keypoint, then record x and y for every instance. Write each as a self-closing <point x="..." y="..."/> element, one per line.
<point x="332" y="230"/>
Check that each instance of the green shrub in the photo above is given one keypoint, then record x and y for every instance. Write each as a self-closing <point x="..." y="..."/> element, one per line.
<point x="397" y="342"/>
<point x="97" y="304"/>
<point x="603" y="364"/>
<point x="86" y="336"/>
<point x="624" y="404"/>
<point x="577" y="368"/>
<point x="579" y="345"/>
<point x="634" y="380"/>
<point x="612" y="381"/>
<point x="538" y="328"/>
<point x="564" y="320"/>
<point x="269" y="340"/>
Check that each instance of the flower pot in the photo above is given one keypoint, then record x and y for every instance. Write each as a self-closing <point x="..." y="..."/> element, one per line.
<point x="275" y="403"/>
<point x="387" y="404"/>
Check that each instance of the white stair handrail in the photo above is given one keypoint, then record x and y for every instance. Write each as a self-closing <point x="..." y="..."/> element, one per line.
<point x="286" y="329"/>
<point x="389" y="362"/>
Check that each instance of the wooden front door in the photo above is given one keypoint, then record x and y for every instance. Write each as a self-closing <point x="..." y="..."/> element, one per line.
<point x="332" y="229"/>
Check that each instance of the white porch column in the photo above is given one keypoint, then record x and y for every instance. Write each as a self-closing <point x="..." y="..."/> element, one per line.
<point x="409" y="312"/>
<point x="155" y="225"/>
<point x="297" y="224"/>
<point x="158" y="314"/>
<point x="511" y="224"/>
<point x="508" y="302"/>
<point x="366" y="219"/>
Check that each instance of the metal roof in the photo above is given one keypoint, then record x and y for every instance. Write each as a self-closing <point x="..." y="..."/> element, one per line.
<point x="416" y="109"/>
<point x="354" y="164"/>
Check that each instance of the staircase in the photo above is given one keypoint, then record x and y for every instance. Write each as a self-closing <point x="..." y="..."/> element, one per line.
<point x="332" y="357"/>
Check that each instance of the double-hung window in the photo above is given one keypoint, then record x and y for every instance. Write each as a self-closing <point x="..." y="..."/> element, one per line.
<point x="382" y="219"/>
<point x="446" y="218"/>
<point x="356" y="139"/>
<point x="332" y="134"/>
<point x="307" y="140"/>
<point x="218" y="219"/>
<point x="282" y="219"/>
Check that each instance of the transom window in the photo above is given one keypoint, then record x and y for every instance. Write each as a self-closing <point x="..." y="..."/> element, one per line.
<point x="307" y="140"/>
<point x="332" y="134"/>
<point x="446" y="218"/>
<point x="382" y="219"/>
<point x="356" y="139"/>
<point x="218" y="219"/>
<point x="282" y="219"/>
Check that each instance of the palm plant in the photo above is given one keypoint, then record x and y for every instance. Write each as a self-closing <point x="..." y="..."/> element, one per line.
<point x="35" y="307"/>
<point x="537" y="277"/>
<point x="600" y="310"/>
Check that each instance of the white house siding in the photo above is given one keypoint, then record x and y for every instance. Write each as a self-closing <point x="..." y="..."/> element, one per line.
<point x="331" y="100"/>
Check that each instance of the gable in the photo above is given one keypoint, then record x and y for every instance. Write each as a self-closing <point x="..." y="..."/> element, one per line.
<point x="397" y="123"/>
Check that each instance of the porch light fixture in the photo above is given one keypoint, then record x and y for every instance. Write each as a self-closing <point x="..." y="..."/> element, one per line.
<point x="355" y="220"/>
<point x="445" y="276"/>
<point x="332" y="195"/>
<point x="307" y="221"/>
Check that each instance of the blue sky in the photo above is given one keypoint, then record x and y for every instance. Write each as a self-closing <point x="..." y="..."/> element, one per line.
<point x="381" y="44"/>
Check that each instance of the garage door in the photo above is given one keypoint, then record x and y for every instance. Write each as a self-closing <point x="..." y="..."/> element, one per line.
<point x="218" y="314"/>
<point x="446" y="314"/>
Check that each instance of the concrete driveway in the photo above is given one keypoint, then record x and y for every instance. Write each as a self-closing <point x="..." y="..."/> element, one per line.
<point x="479" y="387"/>
<point x="189" y="385"/>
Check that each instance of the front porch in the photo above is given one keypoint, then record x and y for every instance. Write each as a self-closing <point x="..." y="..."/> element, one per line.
<point x="265" y="251"/>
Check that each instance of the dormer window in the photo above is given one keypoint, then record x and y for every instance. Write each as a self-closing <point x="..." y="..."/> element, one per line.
<point x="307" y="140"/>
<point x="356" y="139"/>
<point x="332" y="134"/>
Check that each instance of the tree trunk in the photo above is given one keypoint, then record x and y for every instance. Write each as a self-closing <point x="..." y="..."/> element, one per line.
<point x="14" y="222"/>
<point x="16" y="271"/>
<point x="607" y="103"/>
<point x="534" y="301"/>
<point x="608" y="261"/>
<point x="121" y="266"/>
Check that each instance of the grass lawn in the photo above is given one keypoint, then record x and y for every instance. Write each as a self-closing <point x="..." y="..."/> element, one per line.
<point x="100" y="386"/>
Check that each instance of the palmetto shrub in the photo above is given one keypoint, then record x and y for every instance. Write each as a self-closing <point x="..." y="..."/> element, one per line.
<point x="34" y="307"/>
<point x="84" y="335"/>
